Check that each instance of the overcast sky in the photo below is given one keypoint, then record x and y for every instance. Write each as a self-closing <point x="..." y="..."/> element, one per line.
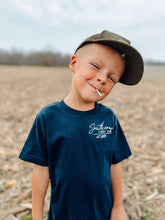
<point x="60" y="25"/>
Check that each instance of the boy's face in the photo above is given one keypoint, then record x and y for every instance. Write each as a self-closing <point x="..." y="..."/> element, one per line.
<point x="95" y="67"/>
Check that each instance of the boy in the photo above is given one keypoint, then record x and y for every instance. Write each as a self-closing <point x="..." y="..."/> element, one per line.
<point x="78" y="143"/>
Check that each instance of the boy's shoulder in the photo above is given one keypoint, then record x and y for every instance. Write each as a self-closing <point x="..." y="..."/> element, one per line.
<point x="106" y="109"/>
<point x="108" y="113"/>
<point x="48" y="108"/>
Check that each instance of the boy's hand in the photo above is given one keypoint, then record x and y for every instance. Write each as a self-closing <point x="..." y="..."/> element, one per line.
<point x="118" y="213"/>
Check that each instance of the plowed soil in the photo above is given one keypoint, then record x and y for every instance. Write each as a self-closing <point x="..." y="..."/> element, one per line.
<point x="141" y="112"/>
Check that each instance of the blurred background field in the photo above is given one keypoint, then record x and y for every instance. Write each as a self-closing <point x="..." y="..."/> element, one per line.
<point x="140" y="109"/>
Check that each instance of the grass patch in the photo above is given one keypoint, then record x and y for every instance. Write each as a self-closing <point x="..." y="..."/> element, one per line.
<point x="147" y="211"/>
<point x="1" y="190"/>
<point x="27" y="217"/>
<point x="30" y="195"/>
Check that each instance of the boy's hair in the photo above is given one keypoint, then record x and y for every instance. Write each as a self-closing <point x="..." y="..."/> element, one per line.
<point x="134" y="65"/>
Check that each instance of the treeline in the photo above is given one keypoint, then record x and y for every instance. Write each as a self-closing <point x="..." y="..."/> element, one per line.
<point x="154" y="62"/>
<point x="41" y="58"/>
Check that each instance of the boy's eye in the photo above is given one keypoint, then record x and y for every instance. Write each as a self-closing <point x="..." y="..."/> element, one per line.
<point x="95" y="66"/>
<point x="112" y="79"/>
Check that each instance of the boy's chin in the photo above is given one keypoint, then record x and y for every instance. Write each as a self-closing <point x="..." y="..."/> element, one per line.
<point x="92" y="99"/>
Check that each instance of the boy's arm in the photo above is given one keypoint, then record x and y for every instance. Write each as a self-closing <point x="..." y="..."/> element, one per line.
<point x="118" y="212"/>
<point x="40" y="181"/>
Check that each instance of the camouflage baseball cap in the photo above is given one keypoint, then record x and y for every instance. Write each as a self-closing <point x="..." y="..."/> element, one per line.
<point x="133" y="60"/>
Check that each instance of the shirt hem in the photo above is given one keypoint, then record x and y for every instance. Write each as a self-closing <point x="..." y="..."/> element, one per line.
<point x="28" y="158"/>
<point x="122" y="158"/>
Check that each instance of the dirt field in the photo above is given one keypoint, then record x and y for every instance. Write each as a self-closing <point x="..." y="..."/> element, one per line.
<point x="140" y="109"/>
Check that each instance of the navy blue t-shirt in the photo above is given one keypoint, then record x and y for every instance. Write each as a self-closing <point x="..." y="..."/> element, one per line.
<point x="79" y="148"/>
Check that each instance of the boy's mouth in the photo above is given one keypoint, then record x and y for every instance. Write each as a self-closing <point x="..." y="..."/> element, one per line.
<point x="97" y="90"/>
<point x="92" y="86"/>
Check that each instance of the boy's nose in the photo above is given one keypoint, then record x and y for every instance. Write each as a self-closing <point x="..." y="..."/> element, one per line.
<point x="101" y="78"/>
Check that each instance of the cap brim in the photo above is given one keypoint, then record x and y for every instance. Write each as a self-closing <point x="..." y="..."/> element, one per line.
<point x="134" y="61"/>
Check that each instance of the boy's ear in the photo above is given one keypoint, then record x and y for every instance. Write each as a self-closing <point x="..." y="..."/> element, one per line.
<point x="72" y="63"/>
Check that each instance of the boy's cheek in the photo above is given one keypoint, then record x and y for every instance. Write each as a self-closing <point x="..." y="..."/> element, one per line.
<point x="108" y="90"/>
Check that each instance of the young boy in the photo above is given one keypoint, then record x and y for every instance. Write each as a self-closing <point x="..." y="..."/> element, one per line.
<point x="78" y="143"/>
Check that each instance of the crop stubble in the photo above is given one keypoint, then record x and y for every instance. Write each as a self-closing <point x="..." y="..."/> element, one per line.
<point x="140" y="109"/>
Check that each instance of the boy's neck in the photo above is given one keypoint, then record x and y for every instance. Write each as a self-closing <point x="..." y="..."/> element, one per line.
<point x="76" y="104"/>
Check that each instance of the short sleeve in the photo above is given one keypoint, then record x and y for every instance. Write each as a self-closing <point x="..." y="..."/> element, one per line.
<point x="121" y="148"/>
<point x="35" y="147"/>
